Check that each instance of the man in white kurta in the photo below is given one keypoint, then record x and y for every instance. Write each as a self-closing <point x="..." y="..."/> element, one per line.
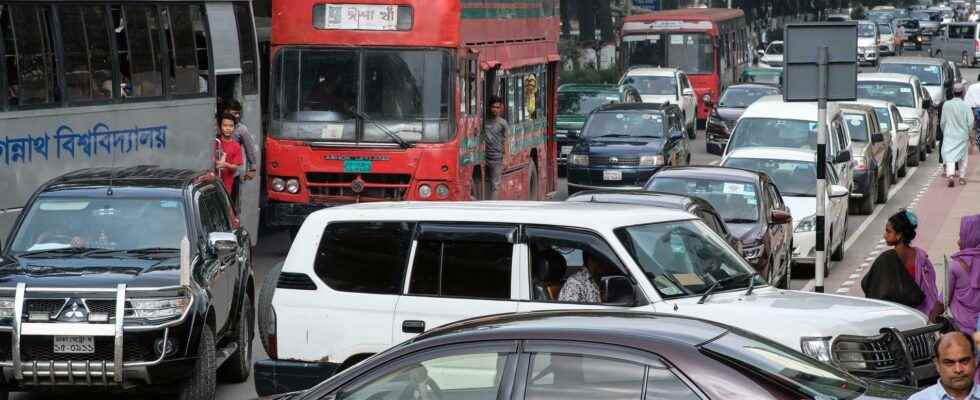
<point x="957" y="123"/>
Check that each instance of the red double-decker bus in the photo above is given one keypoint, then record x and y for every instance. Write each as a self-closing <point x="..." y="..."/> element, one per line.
<point x="711" y="45"/>
<point x="375" y="100"/>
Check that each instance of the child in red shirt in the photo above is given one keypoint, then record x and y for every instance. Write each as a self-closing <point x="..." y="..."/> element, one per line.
<point x="231" y="152"/>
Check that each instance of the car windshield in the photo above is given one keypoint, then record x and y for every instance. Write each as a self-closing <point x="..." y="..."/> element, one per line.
<point x="774" y="49"/>
<point x="60" y="223"/>
<point x="653" y="85"/>
<point x="927" y="16"/>
<point x="793" y="178"/>
<point x="693" y="53"/>
<point x="892" y="92"/>
<point x="927" y="74"/>
<point x="774" y="132"/>
<point x="857" y="126"/>
<point x="318" y="90"/>
<point x="755" y="354"/>
<point x="582" y="103"/>
<point x="866" y="30"/>
<point x="737" y="202"/>
<point x="884" y="120"/>
<point x="642" y="123"/>
<point x="685" y="258"/>
<point x="742" y="97"/>
<point x="885" y="29"/>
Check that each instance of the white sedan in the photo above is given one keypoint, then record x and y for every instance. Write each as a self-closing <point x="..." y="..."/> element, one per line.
<point x="795" y="175"/>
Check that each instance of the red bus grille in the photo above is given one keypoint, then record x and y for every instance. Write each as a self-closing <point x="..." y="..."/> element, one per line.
<point x="327" y="187"/>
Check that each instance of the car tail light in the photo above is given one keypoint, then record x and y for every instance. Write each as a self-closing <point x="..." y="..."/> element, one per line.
<point x="268" y="333"/>
<point x="976" y="45"/>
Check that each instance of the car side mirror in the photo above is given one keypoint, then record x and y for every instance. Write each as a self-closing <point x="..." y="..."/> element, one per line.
<point x="903" y="127"/>
<point x="843" y="157"/>
<point x="618" y="291"/>
<point x="761" y="53"/>
<point x="838" y="191"/>
<point x="779" y="217"/>
<point x="877" y="137"/>
<point x="222" y="243"/>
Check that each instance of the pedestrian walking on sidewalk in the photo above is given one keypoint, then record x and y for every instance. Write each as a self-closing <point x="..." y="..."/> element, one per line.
<point x="957" y="124"/>
<point x="956" y="363"/>
<point x="904" y="274"/>
<point x="964" y="277"/>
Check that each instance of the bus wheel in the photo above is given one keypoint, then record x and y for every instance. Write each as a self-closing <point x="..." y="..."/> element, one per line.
<point x="532" y="182"/>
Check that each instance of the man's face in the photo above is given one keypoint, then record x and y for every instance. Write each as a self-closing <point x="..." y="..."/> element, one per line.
<point x="497" y="109"/>
<point x="956" y="364"/>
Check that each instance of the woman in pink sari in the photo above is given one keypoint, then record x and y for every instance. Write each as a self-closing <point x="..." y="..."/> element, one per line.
<point x="964" y="279"/>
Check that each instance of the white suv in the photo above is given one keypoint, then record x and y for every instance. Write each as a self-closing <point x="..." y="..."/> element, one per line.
<point x="906" y="92"/>
<point x="361" y="278"/>
<point x="665" y="85"/>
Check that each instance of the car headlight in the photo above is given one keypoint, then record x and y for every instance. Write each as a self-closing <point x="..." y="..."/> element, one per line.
<point x="651" y="161"/>
<point x="6" y="307"/>
<point x="753" y="252"/>
<point x="807" y="224"/>
<point x="292" y="185"/>
<point x="913" y="123"/>
<point x="860" y="163"/>
<point x="156" y="309"/>
<point x="581" y="160"/>
<point x="278" y="184"/>
<point x="816" y="347"/>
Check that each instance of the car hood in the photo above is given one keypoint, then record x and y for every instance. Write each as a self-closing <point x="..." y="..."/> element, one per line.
<point x="935" y="92"/>
<point x="729" y="114"/>
<point x="746" y="233"/>
<point x="91" y="272"/>
<point x="909" y="112"/>
<point x="866" y="42"/>
<point x="570" y="121"/>
<point x="621" y="147"/>
<point x="659" y="98"/>
<point x="799" y="313"/>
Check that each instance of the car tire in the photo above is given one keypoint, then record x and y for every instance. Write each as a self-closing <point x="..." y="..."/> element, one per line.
<point x="882" y="196"/>
<point x="922" y="153"/>
<point x="264" y="306"/>
<point x="913" y="158"/>
<point x="692" y="132"/>
<point x="838" y="253"/>
<point x="903" y="169"/>
<point x="201" y="384"/>
<point x="239" y="366"/>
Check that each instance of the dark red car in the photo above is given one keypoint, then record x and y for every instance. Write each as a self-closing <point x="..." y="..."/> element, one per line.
<point x="750" y="206"/>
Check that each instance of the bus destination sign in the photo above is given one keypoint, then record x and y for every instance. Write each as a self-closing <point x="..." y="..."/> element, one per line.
<point x="371" y="17"/>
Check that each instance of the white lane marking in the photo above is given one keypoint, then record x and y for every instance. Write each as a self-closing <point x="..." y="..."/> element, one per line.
<point x="847" y="283"/>
<point x="867" y="222"/>
<point x="879" y="246"/>
<point x="863" y="265"/>
<point x="843" y="290"/>
<point x="869" y="259"/>
<point x="854" y="276"/>
<point x="874" y="253"/>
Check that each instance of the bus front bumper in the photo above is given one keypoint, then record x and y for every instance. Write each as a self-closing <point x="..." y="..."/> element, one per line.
<point x="279" y="214"/>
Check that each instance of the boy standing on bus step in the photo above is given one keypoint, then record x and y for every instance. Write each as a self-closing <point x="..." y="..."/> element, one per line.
<point x="231" y="154"/>
<point x="241" y="136"/>
<point x="494" y="136"/>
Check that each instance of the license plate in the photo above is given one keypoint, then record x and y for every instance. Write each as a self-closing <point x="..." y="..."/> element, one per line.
<point x="357" y="165"/>
<point x="74" y="344"/>
<point x="566" y="149"/>
<point x="612" y="175"/>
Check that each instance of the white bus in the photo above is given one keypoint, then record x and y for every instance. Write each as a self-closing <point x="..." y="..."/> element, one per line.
<point x="121" y="83"/>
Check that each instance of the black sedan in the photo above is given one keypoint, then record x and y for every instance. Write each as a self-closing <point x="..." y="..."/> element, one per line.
<point x="733" y="102"/>
<point x="623" y="144"/>
<point x="751" y="207"/>
<point x="553" y="355"/>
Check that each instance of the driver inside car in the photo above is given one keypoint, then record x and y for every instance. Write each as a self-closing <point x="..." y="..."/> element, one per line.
<point x="583" y="286"/>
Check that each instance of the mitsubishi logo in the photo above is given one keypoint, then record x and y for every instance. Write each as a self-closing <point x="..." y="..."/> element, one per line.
<point x="74" y="311"/>
<point x="613" y="160"/>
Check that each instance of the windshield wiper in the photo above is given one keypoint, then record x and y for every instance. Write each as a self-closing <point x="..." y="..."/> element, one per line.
<point x="613" y="135"/>
<point x="739" y="220"/>
<point x="141" y="251"/>
<point x="797" y="194"/>
<point x="718" y="283"/>
<point x="394" y="136"/>
<point x="751" y="283"/>
<point x="61" y="251"/>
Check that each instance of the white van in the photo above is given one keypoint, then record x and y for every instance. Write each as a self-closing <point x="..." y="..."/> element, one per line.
<point x="361" y="278"/>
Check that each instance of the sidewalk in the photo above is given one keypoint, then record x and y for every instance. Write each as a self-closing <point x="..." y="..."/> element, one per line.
<point x="940" y="209"/>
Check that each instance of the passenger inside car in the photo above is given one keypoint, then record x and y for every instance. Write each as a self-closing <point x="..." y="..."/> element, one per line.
<point x="549" y="273"/>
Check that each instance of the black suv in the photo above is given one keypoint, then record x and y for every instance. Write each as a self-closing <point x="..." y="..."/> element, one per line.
<point x="623" y="144"/>
<point x="117" y="277"/>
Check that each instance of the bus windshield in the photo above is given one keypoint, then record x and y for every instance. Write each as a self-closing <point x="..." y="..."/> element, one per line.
<point x="320" y="93"/>
<point x="692" y="53"/>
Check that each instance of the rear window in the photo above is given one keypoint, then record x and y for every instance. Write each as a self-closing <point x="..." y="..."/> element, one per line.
<point x="962" y="31"/>
<point x="857" y="126"/>
<point x="366" y="257"/>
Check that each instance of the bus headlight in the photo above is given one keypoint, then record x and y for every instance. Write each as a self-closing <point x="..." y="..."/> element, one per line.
<point x="278" y="184"/>
<point x="442" y="191"/>
<point x="425" y="191"/>
<point x="292" y="185"/>
<point x="6" y="307"/>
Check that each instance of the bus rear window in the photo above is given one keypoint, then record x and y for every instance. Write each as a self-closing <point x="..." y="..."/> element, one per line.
<point x="692" y="53"/>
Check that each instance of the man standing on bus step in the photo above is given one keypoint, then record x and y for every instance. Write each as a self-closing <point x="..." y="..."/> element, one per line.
<point x="494" y="137"/>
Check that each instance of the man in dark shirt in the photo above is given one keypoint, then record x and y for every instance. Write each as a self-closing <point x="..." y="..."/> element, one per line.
<point x="494" y="137"/>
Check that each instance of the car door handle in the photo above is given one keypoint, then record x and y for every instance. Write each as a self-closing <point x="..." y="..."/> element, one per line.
<point x="413" y="326"/>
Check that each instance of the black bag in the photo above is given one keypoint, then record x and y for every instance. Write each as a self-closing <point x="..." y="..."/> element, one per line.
<point x="888" y="280"/>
